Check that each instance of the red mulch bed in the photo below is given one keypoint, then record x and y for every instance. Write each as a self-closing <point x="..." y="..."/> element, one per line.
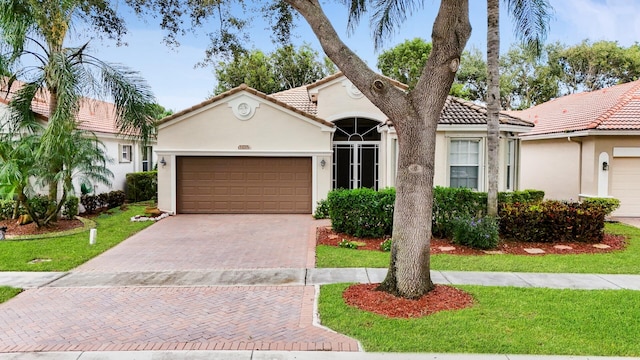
<point x="326" y="236"/>
<point x="31" y="229"/>
<point x="365" y="297"/>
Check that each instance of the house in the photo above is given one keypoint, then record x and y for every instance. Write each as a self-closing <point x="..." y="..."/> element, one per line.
<point x="586" y="145"/>
<point x="247" y="152"/>
<point x="97" y="116"/>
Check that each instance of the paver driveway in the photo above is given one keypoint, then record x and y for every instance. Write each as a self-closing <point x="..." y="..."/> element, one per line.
<point x="88" y="318"/>
<point x="207" y="242"/>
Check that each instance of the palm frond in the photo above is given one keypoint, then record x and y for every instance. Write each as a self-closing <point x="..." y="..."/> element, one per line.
<point x="531" y="20"/>
<point x="390" y="14"/>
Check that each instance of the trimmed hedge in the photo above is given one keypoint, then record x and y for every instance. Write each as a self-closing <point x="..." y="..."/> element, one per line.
<point x="142" y="186"/>
<point x="109" y="200"/>
<point x="609" y="205"/>
<point x="362" y="212"/>
<point x="552" y="221"/>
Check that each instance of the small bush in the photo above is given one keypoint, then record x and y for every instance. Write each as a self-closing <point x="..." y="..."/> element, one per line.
<point x="6" y="209"/>
<point x="478" y="233"/>
<point x="552" y="221"/>
<point x="386" y="245"/>
<point x="70" y="207"/>
<point x="521" y="196"/>
<point x="115" y="198"/>
<point x="362" y="212"/>
<point x="142" y="186"/>
<point x="344" y="243"/>
<point x="90" y="203"/>
<point x="322" y="210"/>
<point x="39" y="204"/>
<point x="453" y="203"/>
<point x="608" y="205"/>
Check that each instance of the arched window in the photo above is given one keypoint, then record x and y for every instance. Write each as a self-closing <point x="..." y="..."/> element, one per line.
<point x="356" y="144"/>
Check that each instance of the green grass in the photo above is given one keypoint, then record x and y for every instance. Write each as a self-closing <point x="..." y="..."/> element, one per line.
<point x="619" y="262"/>
<point x="67" y="252"/>
<point x="503" y="320"/>
<point x="7" y="293"/>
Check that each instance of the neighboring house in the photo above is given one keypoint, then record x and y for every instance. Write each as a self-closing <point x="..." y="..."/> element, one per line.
<point x="247" y="152"/>
<point x="586" y="145"/>
<point x="98" y="117"/>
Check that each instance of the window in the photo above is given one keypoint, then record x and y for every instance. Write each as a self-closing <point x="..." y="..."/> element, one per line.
<point x="464" y="163"/>
<point x="125" y="153"/>
<point x="147" y="158"/>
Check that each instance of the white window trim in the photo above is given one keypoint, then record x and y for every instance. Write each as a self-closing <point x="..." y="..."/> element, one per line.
<point x="149" y="157"/>
<point x="481" y="159"/>
<point x="510" y="178"/>
<point x="125" y="157"/>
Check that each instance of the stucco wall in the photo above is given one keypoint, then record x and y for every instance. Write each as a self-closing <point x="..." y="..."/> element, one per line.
<point x="334" y="102"/>
<point x="552" y="166"/>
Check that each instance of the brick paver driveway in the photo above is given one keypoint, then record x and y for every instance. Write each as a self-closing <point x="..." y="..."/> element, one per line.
<point x="191" y="317"/>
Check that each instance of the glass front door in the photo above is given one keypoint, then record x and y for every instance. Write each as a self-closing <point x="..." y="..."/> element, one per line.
<point x="356" y="154"/>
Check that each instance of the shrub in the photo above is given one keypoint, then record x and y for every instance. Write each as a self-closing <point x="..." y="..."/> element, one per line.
<point x="90" y="203"/>
<point x="362" y="212"/>
<point x="70" y="207"/>
<point x="386" y="245"/>
<point x="521" y="196"/>
<point x="478" y="233"/>
<point x="115" y="199"/>
<point x="322" y="210"/>
<point x="609" y="205"/>
<point x="344" y="243"/>
<point x="552" y="221"/>
<point x="39" y="204"/>
<point x="142" y="186"/>
<point x="6" y="209"/>
<point x="453" y="203"/>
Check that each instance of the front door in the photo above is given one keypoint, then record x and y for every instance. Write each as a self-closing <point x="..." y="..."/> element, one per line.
<point x="356" y="154"/>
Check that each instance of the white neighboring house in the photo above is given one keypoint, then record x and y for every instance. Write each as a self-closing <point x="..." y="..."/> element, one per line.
<point x="97" y="116"/>
<point x="244" y="151"/>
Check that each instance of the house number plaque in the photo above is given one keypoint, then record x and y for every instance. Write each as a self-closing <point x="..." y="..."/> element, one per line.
<point x="244" y="147"/>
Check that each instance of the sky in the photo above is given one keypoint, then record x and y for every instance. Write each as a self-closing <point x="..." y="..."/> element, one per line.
<point x="178" y="84"/>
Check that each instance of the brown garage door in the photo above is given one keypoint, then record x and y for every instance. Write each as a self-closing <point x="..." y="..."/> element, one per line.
<point x="249" y="185"/>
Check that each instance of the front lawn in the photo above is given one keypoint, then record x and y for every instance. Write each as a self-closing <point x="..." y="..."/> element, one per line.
<point x="503" y="320"/>
<point x="620" y="262"/>
<point x="67" y="252"/>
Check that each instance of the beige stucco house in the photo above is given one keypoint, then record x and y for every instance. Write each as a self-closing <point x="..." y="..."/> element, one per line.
<point x="247" y="152"/>
<point x="585" y="145"/>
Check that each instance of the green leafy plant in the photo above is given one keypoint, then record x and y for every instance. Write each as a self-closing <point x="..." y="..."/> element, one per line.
<point x="344" y="243"/>
<point x="362" y="212"/>
<point x="142" y="186"/>
<point x="609" y="205"/>
<point x="478" y="233"/>
<point x="322" y="210"/>
<point x="386" y="245"/>
<point x="70" y="207"/>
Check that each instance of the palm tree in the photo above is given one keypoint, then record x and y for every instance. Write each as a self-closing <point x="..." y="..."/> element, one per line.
<point x="531" y="18"/>
<point x="37" y="29"/>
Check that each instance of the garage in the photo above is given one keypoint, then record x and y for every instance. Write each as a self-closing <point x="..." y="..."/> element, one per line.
<point x="625" y="185"/>
<point x="243" y="185"/>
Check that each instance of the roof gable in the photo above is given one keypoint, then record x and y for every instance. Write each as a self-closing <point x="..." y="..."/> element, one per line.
<point x="253" y="92"/>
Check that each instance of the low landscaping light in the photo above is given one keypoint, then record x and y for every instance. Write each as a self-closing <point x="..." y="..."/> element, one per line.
<point x="93" y="233"/>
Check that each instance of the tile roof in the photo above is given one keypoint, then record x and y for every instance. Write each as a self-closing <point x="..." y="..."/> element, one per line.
<point x="613" y="108"/>
<point x="94" y="115"/>
<point x="457" y="111"/>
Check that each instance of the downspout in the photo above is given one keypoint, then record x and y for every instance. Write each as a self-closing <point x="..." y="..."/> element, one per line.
<point x="579" y="164"/>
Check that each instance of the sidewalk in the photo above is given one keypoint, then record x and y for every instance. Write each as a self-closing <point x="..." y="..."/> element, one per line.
<point x="281" y="355"/>
<point x="308" y="277"/>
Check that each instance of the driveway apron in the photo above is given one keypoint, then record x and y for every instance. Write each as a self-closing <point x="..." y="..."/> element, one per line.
<point x="114" y="318"/>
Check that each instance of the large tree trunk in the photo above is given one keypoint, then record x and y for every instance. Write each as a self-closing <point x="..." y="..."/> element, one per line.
<point x="493" y="104"/>
<point x="415" y="116"/>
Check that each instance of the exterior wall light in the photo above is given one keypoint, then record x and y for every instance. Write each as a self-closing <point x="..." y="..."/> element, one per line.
<point x="163" y="162"/>
<point x="323" y="163"/>
<point x="605" y="166"/>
